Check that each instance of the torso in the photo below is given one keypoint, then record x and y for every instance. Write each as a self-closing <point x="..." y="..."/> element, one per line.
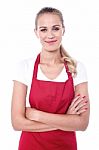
<point x="51" y="97"/>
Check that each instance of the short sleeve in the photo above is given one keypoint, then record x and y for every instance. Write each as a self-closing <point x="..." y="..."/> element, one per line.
<point x="81" y="74"/>
<point x="19" y="72"/>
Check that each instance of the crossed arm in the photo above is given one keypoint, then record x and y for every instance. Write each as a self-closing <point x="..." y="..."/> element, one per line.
<point x="29" y="119"/>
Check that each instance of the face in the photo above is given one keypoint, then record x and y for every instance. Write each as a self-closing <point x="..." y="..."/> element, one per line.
<point x="49" y="31"/>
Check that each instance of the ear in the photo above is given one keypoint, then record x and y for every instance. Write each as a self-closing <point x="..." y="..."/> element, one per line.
<point x="36" y="33"/>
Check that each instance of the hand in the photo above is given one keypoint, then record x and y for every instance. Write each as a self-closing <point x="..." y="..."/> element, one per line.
<point x="78" y="105"/>
<point x="31" y="113"/>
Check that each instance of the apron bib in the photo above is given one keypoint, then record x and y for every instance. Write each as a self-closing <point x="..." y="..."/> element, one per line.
<point x="52" y="97"/>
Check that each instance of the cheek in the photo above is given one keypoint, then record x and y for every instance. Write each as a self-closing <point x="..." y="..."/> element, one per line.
<point x="59" y="36"/>
<point x="42" y="36"/>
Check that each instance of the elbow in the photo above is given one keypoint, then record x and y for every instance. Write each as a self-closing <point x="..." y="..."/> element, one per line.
<point x="16" y="127"/>
<point x="16" y="124"/>
<point x="83" y="123"/>
<point x="83" y="126"/>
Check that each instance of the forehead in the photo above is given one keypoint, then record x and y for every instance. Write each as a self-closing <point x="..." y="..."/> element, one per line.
<point x="48" y="19"/>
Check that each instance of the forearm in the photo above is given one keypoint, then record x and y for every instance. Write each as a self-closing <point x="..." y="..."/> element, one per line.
<point x="23" y="124"/>
<point x="76" y="118"/>
<point x="62" y="121"/>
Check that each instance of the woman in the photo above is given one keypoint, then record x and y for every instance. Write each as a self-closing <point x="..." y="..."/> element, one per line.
<point x="59" y="102"/>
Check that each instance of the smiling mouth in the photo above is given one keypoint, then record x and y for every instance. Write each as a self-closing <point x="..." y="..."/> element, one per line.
<point x="53" y="41"/>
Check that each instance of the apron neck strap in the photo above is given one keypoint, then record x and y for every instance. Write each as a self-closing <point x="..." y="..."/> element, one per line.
<point x="36" y="66"/>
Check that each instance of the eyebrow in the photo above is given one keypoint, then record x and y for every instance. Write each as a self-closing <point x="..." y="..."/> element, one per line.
<point x="52" y="26"/>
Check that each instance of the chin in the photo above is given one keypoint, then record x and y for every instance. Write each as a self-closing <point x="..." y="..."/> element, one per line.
<point x="51" y="49"/>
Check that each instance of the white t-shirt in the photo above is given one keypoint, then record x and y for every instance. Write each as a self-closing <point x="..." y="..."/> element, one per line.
<point x="23" y="73"/>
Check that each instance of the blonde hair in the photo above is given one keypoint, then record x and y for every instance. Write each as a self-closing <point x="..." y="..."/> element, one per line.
<point x="69" y="60"/>
<point x="65" y="56"/>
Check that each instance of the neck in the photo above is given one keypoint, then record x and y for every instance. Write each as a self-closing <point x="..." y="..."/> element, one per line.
<point x="50" y="58"/>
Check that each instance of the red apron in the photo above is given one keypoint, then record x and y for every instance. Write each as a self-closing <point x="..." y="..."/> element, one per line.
<point x="52" y="97"/>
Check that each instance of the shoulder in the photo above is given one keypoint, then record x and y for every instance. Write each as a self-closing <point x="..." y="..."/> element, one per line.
<point x="80" y="67"/>
<point x="81" y="73"/>
<point x="24" y="66"/>
<point x="23" y="70"/>
<point x="26" y="62"/>
<point x="80" y="64"/>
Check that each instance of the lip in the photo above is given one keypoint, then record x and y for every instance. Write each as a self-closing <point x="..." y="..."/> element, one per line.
<point x="52" y="41"/>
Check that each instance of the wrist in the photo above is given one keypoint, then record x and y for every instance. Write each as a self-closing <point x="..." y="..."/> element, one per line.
<point x="32" y="114"/>
<point x="39" y="115"/>
<point x="36" y="115"/>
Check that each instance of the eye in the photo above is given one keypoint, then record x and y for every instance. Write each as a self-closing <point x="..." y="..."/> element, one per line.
<point x="43" y="30"/>
<point x="56" y="28"/>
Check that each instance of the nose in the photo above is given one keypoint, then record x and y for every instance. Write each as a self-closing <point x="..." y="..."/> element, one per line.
<point x="50" y="35"/>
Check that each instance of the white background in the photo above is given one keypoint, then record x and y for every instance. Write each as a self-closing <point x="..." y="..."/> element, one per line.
<point x="18" y="41"/>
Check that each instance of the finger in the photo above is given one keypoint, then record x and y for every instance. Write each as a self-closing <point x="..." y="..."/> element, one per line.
<point x="81" y="106"/>
<point x="81" y="111"/>
<point x="77" y="102"/>
<point x="81" y="100"/>
<point x="74" y="100"/>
